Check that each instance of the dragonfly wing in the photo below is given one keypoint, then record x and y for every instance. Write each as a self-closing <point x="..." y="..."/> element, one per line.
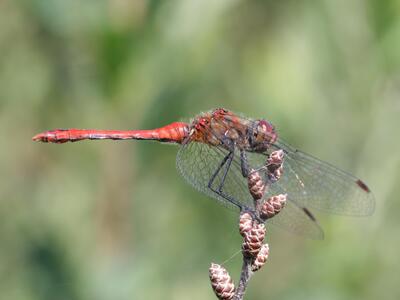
<point x="197" y="162"/>
<point x="317" y="184"/>
<point x="298" y="220"/>
<point x="294" y="217"/>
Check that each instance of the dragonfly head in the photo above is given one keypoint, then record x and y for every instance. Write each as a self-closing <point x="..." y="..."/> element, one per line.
<point x="265" y="133"/>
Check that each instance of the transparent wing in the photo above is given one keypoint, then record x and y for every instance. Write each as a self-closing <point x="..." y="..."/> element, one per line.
<point x="317" y="184"/>
<point x="197" y="163"/>
<point x="296" y="219"/>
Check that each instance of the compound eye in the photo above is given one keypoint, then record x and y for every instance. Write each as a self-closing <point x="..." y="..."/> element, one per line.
<point x="265" y="126"/>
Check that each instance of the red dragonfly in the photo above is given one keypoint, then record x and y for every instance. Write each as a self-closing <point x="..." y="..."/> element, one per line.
<point x="217" y="150"/>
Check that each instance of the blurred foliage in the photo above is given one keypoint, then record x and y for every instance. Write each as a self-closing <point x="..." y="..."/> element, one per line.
<point x="106" y="220"/>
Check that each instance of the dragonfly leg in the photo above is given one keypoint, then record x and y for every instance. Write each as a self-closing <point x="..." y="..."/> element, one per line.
<point x="223" y="162"/>
<point x="253" y="213"/>
<point x="244" y="165"/>
<point x="228" y="165"/>
<point x="227" y="160"/>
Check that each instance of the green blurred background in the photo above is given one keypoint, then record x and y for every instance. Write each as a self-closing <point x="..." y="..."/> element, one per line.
<point x="113" y="220"/>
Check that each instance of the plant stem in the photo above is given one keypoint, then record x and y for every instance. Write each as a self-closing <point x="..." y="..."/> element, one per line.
<point x="245" y="275"/>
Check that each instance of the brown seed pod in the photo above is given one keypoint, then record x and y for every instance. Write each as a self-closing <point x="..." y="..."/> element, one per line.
<point x="221" y="282"/>
<point x="272" y="206"/>
<point x="276" y="157"/>
<point x="261" y="258"/>
<point x="274" y="165"/>
<point x="278" y="173"/>
<point x="253" y="240"/>
<point x="256" y="185"/>
<point x="245" y="223"/>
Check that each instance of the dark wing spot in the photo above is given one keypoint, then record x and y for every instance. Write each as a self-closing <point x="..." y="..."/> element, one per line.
<point x="363" y="186"/>
<point x="309" y="214"/>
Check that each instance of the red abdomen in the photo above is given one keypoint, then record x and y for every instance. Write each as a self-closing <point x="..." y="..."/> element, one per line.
<point x="173" y="133"/>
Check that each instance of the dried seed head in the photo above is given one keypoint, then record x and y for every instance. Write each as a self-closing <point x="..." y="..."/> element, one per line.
<point x="274" y="172"/>
<point x="221" y="282"/>
<point x="261" y="258"/>
<point x="245" y="223"/>
<point x="253" y="240"/>
<point x="278" y="173"/>
<point x="256" y="185"/>
<point x="274" y="165"/>
<point x="272" y="206"/>
<point x="276" y="157"/>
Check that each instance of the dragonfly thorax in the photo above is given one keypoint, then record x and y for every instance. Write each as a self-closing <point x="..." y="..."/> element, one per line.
<point x="223" y="128"/>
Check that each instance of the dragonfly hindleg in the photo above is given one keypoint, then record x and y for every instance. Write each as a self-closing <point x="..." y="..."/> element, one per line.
<point x="219" y="191"/>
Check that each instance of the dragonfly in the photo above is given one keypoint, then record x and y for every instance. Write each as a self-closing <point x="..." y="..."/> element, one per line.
<point x="218" y="149"/>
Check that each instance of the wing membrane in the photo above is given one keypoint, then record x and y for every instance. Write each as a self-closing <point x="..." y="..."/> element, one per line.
<point x="317" y="184"/>
<point x="197" y="162"/>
